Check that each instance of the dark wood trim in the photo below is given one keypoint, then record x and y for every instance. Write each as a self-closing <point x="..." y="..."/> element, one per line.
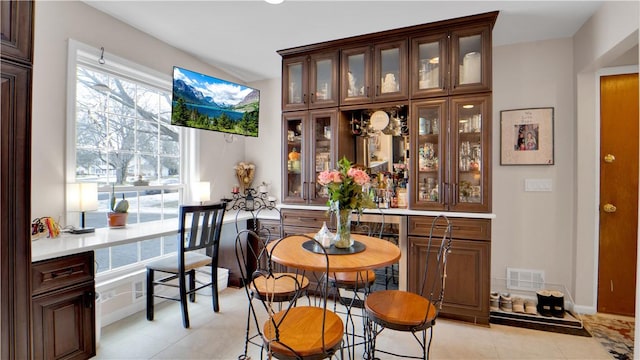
<point x="15" y="199"/>
<point x="17" y="32"/>
<point x="16" y="52"/>
<point x="489" y="17"/>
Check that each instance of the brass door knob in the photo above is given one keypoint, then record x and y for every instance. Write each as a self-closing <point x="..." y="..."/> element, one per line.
<point x="609" y="158"/>
<point x="610" y="208"/>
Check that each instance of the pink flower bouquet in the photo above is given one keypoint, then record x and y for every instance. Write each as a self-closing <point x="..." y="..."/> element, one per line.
<point x="345" y="186"/>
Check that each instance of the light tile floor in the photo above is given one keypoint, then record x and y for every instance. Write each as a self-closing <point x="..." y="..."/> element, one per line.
<point x="221" y="336"/>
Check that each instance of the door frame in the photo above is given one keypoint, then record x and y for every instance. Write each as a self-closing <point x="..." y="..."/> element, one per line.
<point x="631" y="69"/>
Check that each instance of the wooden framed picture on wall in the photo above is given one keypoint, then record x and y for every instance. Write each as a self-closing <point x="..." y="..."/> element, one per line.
<point x="526" y="136"/>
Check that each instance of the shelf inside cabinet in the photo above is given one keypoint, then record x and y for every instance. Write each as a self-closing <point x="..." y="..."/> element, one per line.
<point x="470" y="135"/>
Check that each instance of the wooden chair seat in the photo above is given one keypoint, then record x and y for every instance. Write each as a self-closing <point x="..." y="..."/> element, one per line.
<point x="301" y="330"/>
<point x="170" y="264"/>
<point x="281" y="287"/>
<point x="400" y="310"/>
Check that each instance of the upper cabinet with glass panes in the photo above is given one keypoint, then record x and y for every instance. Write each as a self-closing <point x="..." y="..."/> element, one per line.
<point x="310" y="81"/>
<point x="374" y="73"/>
<point x="449" y="63"/>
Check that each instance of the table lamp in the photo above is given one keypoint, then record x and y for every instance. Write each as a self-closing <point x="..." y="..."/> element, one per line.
<point x="202" y="191"/>
<point x="82" y="197"/>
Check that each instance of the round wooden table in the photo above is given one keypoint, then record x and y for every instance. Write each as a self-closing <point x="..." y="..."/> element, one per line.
<point x="378" y="253"/>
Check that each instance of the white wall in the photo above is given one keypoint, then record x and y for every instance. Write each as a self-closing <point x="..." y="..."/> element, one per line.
<point x="265" y="151"/>
<point x="56" y="22"/>
<point x="609" y="34"/>
<point x="534" y="230"/>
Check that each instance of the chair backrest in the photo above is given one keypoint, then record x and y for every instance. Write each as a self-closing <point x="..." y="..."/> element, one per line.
<point x="200" y="227"/>
<point x="268" y="274"/>
<point x="377" y="230"/>
<point x="262" y="231"/>
<point x="249" y="247"/>
<point x="435" y="270"/>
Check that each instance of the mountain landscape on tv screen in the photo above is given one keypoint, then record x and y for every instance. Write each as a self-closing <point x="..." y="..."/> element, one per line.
<point x="204" y="102"/>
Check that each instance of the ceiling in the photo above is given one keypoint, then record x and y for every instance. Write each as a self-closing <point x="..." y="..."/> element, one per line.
<point x="242" y="37"/>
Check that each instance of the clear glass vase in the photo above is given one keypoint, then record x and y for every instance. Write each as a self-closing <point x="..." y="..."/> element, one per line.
<point x="343" y="232"/>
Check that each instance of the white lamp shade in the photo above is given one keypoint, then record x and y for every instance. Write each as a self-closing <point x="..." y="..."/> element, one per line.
<point x="202" y="191"/>
<point x="82" y="197"/>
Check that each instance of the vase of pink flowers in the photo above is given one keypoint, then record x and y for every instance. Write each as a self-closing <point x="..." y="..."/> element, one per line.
<point x="345" y="188"/>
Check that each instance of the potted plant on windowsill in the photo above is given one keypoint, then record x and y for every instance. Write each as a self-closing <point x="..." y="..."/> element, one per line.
<point x="118" y="215"/>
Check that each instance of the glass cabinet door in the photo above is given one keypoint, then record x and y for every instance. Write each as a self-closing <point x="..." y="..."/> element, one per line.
<point x="428" y="142"/>
<point x="356" y="76"/>
<point x="390" y="73"/>
<point x="429" y="65"/>
<point x="470" y="60"/>
<point x="294" y="83"/>
<point x="470" y="129"/>
<point x="293" y="175"/>
<point x="322" y="157"/>
<point x="323" y="80"/>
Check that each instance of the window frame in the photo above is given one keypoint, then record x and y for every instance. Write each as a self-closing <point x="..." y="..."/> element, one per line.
<point x="88" y="56"/>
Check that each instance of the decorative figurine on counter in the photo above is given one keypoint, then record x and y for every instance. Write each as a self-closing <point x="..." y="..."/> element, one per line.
<point x="245" y="173"/>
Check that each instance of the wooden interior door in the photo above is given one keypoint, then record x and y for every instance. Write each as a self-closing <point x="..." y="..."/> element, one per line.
<point x="618" y="194"/>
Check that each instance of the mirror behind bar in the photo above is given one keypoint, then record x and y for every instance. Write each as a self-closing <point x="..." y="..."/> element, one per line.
<point x="383" y="151"/>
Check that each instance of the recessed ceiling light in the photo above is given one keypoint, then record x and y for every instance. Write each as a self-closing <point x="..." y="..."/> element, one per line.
<point x="470" y="106"/>
<point x="275" y="2"/>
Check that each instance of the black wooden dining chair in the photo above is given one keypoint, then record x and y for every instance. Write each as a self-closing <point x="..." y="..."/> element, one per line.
<point x="407" y="311"/>
<point x="298" y="331"/>
<point x="199" y="232"/>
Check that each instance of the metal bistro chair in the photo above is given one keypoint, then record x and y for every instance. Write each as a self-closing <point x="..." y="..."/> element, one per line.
<point x="299" y="332"/>
<point x="406" y="311"/>
<point x="199" y="230"/>
<point x="281" y="287"/>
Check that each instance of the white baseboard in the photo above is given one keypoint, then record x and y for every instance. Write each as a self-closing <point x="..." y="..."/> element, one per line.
<point x="122" y="313"/>
<point x="583" y="309"/>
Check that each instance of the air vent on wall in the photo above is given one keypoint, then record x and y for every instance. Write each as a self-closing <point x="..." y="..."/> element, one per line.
<point x="525" y="279"/>
<point x="138" y="290"/>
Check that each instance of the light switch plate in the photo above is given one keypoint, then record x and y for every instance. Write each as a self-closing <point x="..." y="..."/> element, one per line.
<point x="538" y="185"/>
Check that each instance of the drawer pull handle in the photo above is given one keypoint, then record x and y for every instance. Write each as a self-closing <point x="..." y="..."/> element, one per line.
<point x="65" y="272"/>
<point x="88" y="299"/>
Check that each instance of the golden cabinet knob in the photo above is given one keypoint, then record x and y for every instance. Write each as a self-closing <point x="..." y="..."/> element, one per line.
<point x="610" y="208"/>
<point x="609" y="158"/>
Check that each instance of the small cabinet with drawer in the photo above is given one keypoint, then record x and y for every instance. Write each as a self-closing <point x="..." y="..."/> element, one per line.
<point x="309" y="221"/>
<point x="63" y="303"/>
<point x="297" y="221"/>
<point x="467" y="288"/>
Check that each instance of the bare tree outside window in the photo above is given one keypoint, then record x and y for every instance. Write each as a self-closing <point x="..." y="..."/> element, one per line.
<point x="124" y="137"/>
<point x="123" y="130"/>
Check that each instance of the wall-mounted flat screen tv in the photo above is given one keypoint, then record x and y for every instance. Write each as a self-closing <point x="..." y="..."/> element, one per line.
<point x="205" y="102"/>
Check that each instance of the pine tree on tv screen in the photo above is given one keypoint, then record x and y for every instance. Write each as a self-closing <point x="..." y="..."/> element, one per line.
<point x="204" y="102"/>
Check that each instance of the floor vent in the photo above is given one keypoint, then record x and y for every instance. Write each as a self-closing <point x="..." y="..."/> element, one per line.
<point x="138" y="291"/>
<point x="525" y="279"/>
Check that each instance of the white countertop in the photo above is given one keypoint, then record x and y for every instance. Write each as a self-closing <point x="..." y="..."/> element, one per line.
<point x="399" y="211"/>
<point x="67" y="244"/>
